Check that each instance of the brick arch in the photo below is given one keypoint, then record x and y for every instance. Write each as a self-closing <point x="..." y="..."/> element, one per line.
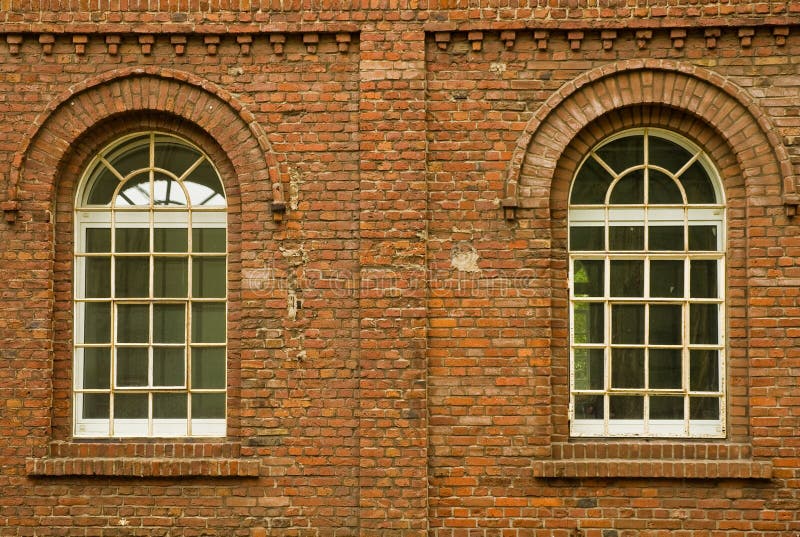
<point x="708" y="96"/>
<point x="137" y="90"/>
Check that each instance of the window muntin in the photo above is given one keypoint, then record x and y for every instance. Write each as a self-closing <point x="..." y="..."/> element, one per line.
<point x="646" y="240"/>
<point x="150" y="292"/>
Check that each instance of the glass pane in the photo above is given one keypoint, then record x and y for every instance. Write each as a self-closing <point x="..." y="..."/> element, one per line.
<point x="169" y="323"/>
<point x="135" y="239"/>
<point x="627" y="324"/>
<point x="208" y="367"/>
<point x="703" y="279"/>
<point x="97" y="322"/>
<point x="666" y="408"/>
<point x="665" y="238"/>
<point x="130" y="406"/>
<point x="136" y="191"/>
<point x="208" y="322"/>
<point x="167" y="192"/>
<point x="95" y="406"/>
<point x="132" y="323"/>
<point x="588" y="319"/>
<point x="132" y="155"/>
<point x="623" y="153"/>
<point x="98" y="240"/>
<point x="208" y="239"/>
<point x="662" y="189"/>
<point x="626" y="407"/>
<point x="666" y="324"/>
<point x="629" y="190"/>
<point x="170" y="277"/>
<point x="170" y="406"/>
<point x="627" y="278"/>
<point x="704" y="370"/>
<point x="666" y="279"/>
<point x="96" y="368"/>
<point x="204" y="186"/>
<point x="174" y="157"/>
<point x="208" y="277"/>
<point x="588" y="277"/>
<point x="591" y="184"/>
<point x="703" y="238"/>
<point x="627" y="368"/>
<point x="588" y="407"/>
<point x="132" y="366"/>
<point x="208" y="405"/>
<point x="103" y="184"/>
<point x="704" y="408"/>
<point x="703" y="324"/>
<point x="170" y="240"/>
<point x="697" y="185"/>
<point x="168" y="366"/>
<point x="626" y="238"/>
<point x="98" y="277"/>
<point x="665" y="369"/>
<point x="132" y="277"/>
<point x="667" y="154"/>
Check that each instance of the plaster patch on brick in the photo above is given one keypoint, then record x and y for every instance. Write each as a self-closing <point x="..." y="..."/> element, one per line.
<point x="464" y="258"/>
<point x="295" y="181"/>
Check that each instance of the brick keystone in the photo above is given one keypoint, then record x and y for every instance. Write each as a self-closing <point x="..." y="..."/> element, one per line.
<point x="80" y="41"/>
<point x="780" y="33"/>
<point x="277" y="41"/>
<point x="642" y="37"/>
<point x="179" y="44"/>
<point x="678" y="36"/>
<point x="575" y="38"/>
<point x="311" y="41"/>
<point x="508" y="37"/>
<point x="746" y="37"/>
<point x="47" y="41"/>
<point x="711" y="35"/>
<point x="146" y="42"/>
<point x="541" y="37"/>
<point x="14" y="43"/>
<point x="608" y="37"/>
<point x="476" y="38"/>
<point x="343" y="41"/>
<point x="245" y="42"/>
<point x="442" y="39"/>
<point x="10" y="209"/>
<point x="212" y="44"/>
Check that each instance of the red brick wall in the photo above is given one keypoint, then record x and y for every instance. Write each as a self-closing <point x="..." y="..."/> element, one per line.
<point x="420" y="386"/>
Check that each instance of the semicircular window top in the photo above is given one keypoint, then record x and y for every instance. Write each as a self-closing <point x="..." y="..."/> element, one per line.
<point x="150" y="292"/>
<point x="647" y="294"/>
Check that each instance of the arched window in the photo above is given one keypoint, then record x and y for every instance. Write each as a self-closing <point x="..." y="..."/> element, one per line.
<point x="150" y="292"/>
<point x="647" y="315"/>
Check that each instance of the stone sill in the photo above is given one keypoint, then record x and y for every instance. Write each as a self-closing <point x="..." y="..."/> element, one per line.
<point x="653" y="469"/>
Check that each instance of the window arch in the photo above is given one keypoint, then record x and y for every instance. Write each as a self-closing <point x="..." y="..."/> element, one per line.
<point x="647" y="316"/>
<point x="150" y="292"/>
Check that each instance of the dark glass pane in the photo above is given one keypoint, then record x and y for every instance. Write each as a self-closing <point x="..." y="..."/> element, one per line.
<point x="588" y="277"/>
<point x="98" y="277"/>
<point x="97" y="322"/>
<point x="703" y="324"/>
<point x="208" y="322"/>
<point x="697" y="185"/>
<point x="170" y="240"/>
<point x="132" y="366"/>
<point x="666" y="279"/>
<point x="167" y="192"/>
<point x="208" y="277"/>
<point x="132" y="239"/>
<point x="170" y="406"/>
<point x="591" y="184"/>
<point x="130" y="406"/>
<point x="626" y="407"/>
<point x="667" y="154"/>
<point x="208" y="239"/>
<point x="168" y="366"/>
<point x="627" y="368"/>
<point x="704" y="370"/>
<point x="96" y="368"/>
<point x="132" y="277"/>
<point x="103" y="184"/>
<point x="629" y="190"/>
<point x="132" y="323"/>
<point x="703" y="279"/>
<point x="95" y="406"/>
<point x="623" y="153"/>
<point x="586" y="239"/>
<point x="664" y="369"/>
<point x="626" y="238"/>
<point x="170" y="277"/>
<point x="208" y="367"/>
<point x="133" y="155"/>
<point x="627" y="278"/>
<point x="704" y="408"/>
<point x="169" y="323"/>
<point x="208" y="405"/>
<point x="135" y="191"/>
<point x="589" y="323"/>
<point x="666" y="408"/>
<point x="204" y="186"/>
<point x="665" y="238"/>
<point x="703" y="238"/>
<point x="174" y="157"/>
<point x="98" y="240"/>
<point x="666" y="324"/>
<point x="589" y="369"/>
<point x="627" y="324"/>
<point x="589" y="407"/>
<point x="662" y="190"/>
